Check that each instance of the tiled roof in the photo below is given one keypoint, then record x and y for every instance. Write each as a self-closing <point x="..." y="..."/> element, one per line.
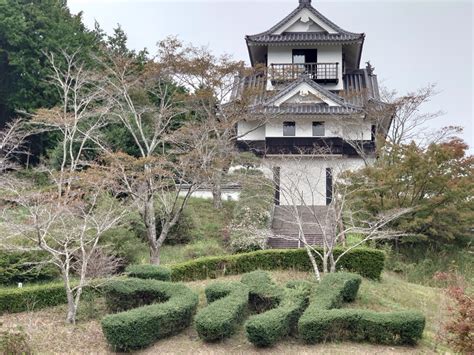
<point x="309" y="109"/>
<point x="311" y="83"/>
<point x="342" y="35"/>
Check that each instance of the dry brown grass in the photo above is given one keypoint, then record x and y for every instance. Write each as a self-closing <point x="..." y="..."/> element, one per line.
<point x="49" y="334"/>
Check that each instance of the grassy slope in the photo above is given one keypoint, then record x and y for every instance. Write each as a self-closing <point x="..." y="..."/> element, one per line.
<point x="207" y="234"/>
<point x="49" y="334"/>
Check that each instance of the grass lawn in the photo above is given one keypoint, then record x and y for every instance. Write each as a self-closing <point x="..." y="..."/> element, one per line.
<point x="207" y="233"/>
<point x="49" y="334"/>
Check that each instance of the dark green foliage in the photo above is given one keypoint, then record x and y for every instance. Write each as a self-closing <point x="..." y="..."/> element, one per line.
<point x="155" y="272"/>
<point x="226" y="310"/>
<point x="128" y="241"/>
<point x="263" y="293"/>
<point x="366" y="262"/>
<point x="180" y="233"/>
<point x="16" y="267"/>
<point x="334" y="290"/>
<point x="13" y="300"/>
<point x="136" y="328"/>
<point x="27" y="30"/>
<point x="397" y="328"/>
<point x="267" y="328"/>
<point x="322" y="320"/>
<point x="281" y="308"/>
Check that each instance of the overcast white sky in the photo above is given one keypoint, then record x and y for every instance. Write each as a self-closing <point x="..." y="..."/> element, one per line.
<point x="410" y="43"/>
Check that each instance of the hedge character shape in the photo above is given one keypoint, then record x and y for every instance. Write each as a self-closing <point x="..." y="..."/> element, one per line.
<point x="155" y="272"/>
<point x="149" y="310"/>
<point x="227" y="307"/>
<point x="322" y="320"/>
<point x="286" y="305"/>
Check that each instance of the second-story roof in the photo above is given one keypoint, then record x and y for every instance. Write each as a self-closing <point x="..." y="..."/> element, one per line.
<point x="337" y="35"/>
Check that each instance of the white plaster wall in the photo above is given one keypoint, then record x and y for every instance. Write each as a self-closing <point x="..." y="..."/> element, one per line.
<point x="334" y="126"/>
<point x="303" y="179"/>
<point x="326" y="54"/>
<point x="248" y="130"/>
<point x="231" y="195"/>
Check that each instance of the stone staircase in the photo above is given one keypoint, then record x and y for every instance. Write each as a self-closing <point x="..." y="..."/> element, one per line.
<point x="286" y="229"/>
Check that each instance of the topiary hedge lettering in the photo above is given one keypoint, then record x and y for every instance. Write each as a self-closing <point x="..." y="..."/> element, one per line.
<point x="267" y="328"/>
<point x="263" y="293"/>
<point x="364" y="261"/>
<point x="155" y="272"/>
<point x="226" y="310"/>
<point x="322" y="321"/>
<point x="164" y="308"/>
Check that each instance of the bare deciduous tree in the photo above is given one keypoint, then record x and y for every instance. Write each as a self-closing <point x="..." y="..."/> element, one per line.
<point x="212" y="81"/>
<point x="12" y="139"/>
<point x="148" y="104"/>
<point x="67" y="218"/>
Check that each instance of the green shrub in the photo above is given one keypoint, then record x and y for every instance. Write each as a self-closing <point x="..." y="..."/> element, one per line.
<point x="13" y="300"/>
<point x="27" y="298"/>
<point x="267" y="328"/>
<point x="322" y="320"/>
<point x="263" y="293"/>
<point x="126" y="243"/>
<point x="397" y="328"/>
<point x="226" y="310"/>
<point x="135" y="328"/>
<point x="252" y="215"/>
<point x="181" y="232"/>
<point x="334" y="290"/>
<point x="281" y="308"/>
<point x="17" y="267"/>
<point x="155" y="272"/>
<point x="366" y="262"/>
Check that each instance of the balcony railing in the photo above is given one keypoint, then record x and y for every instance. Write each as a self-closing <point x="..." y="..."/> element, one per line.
<point x="319" y="72"/>
<point x="306" y="145"/>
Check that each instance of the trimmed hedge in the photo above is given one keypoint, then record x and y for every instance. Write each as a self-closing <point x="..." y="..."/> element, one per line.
<point x="13" y="300"/>
<point x="139" y="327"/>
<point x="155" y="272"/>
<point x="226" y="310"/>
<point x="27" y="298"/>
<point x="263" y="293"/>
<point x="322" y="320"/>
<point x="364" y="261"/>
<point x="267" y="328"/>
<point x="397" y="328"/>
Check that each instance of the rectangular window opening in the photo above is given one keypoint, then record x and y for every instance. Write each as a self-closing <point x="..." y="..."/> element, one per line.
<point x="289" y="128"/>
<point x="318" y="129"/>
<point x="328" y="186"/>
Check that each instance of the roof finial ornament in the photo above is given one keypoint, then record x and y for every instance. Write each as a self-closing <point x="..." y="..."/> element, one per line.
<point x="370" y="69"/>
<point x="305" y="2"/>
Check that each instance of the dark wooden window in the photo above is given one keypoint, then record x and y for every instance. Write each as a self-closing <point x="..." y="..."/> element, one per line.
<point x="328" y="186"/>
<point x="276" y="181"/>
<point x="318" y="129"/>
<point x="289" y="128"/>
<point x="301" y="56"/>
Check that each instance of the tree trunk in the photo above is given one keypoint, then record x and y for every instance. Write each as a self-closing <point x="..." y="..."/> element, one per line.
<point x="217" y="194"/>
<point x="313" y="263"/>
<point x="155" y="256"/>
<point x="71" y="307"/>
<point x="150" y="224"/>
<point x="332" y="262"/>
